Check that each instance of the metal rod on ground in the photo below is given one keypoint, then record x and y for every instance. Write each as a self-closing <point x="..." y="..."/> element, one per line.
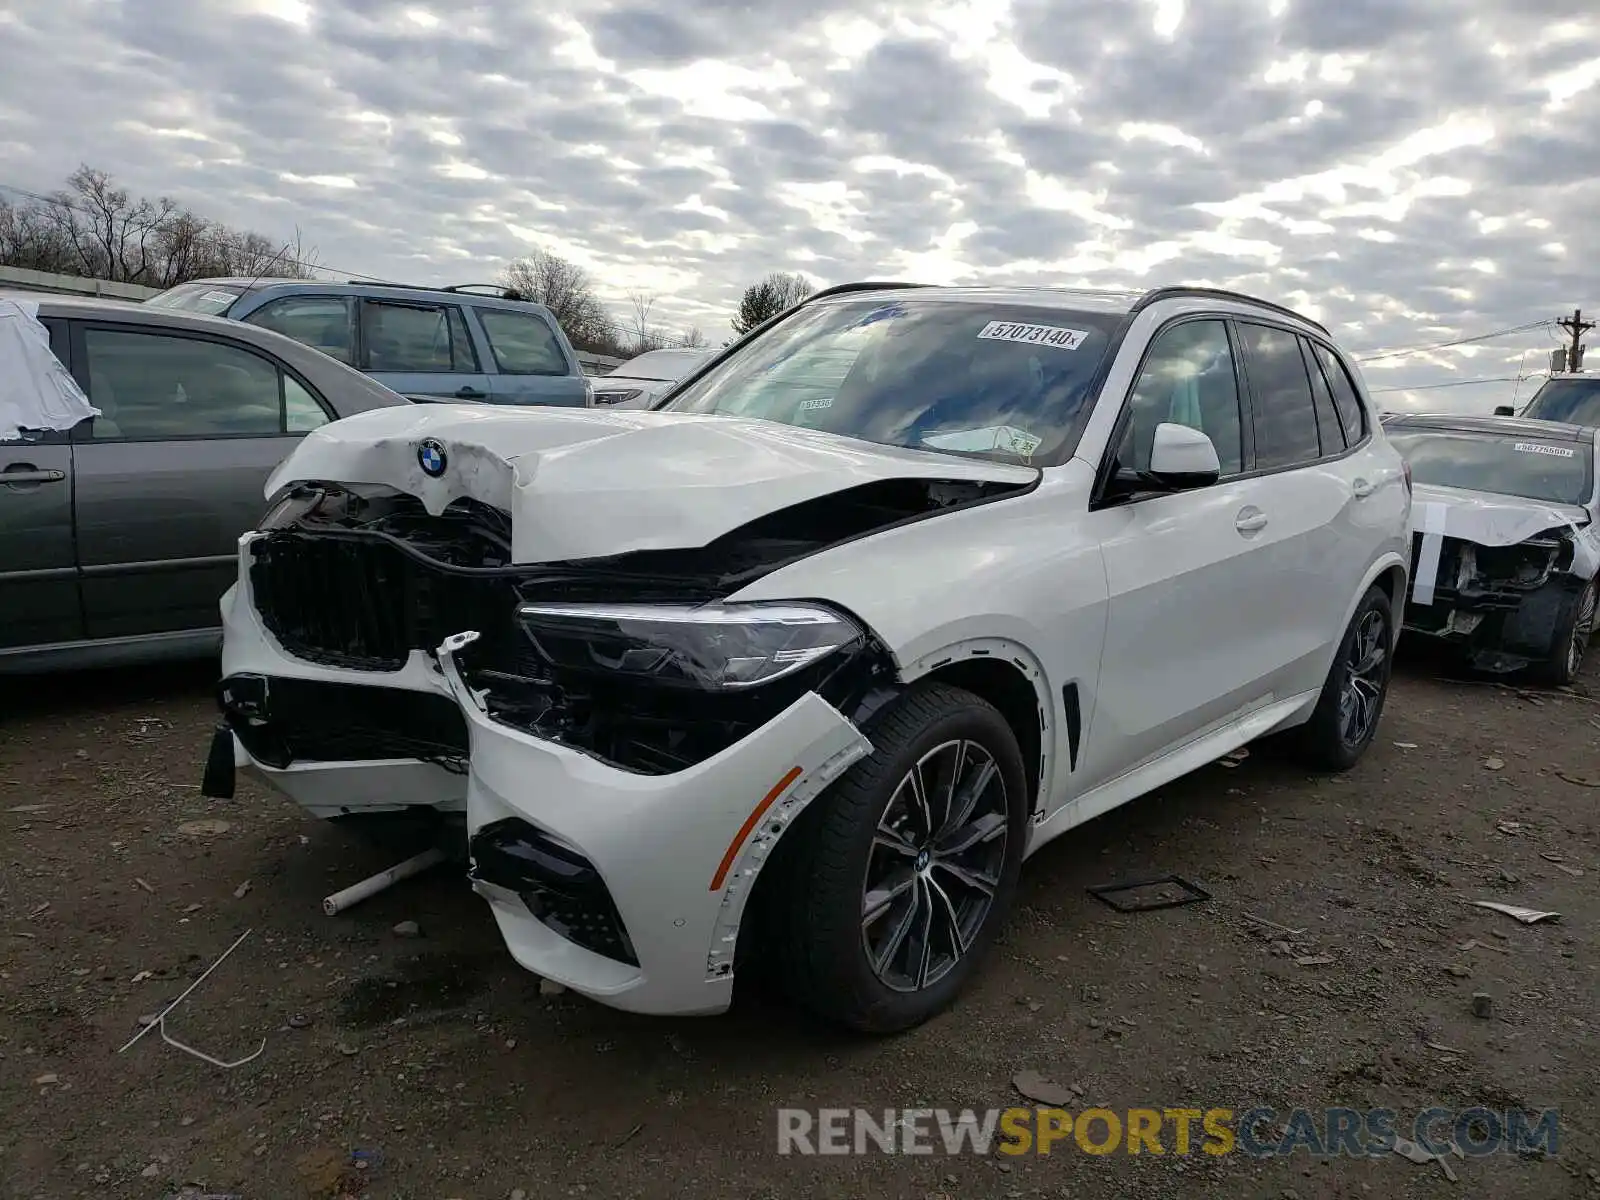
<point x="163" y="1013"/>
<point x="382" y="881"/>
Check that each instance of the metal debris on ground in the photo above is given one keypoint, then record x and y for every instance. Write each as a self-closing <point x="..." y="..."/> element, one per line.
<point x="382" y="881"/>
<point x="1266" y="924"/>
<point x="1406" y="745"/>
<point x="240" y="892"/>
<point x="1494" y="764"/>
<point x="1315" y="960"/>
<point x="407" y="929"/>
<point x="144" y="885"/>
<point x="1579" y="780"/>
<point x="160" y="1021"/>
<point x="1528" y="916"/>
<point x="1575" y="872"/>
<point x="1441" y="1049"/>
<point x="1474" y="944"/>
<point x="1172" y="891"/>
<point x="1044" y="1091"/>
<point x="1509" y="828"/>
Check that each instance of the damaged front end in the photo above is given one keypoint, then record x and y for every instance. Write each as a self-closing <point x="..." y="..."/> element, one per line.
<point x="633" y="659"/>
<point x="1503" y="605"/>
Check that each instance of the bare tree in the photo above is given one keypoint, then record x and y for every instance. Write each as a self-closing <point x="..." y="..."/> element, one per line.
<point x="771" y="296"/>
<point x="692" y="338"/>
<point x="97" y="229"/>
<point x="567" y="291"/>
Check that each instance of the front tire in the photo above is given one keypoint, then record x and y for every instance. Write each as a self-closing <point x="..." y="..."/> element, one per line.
<point x="909" y="865"/>
<point x="1571" y="639"/>
<point x="1346" y="717"/>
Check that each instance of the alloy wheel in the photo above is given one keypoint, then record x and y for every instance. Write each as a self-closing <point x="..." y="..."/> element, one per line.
<point x="1582" y="628"/>
<point x="1365" y="665"/>
<point x="936" y="860"/>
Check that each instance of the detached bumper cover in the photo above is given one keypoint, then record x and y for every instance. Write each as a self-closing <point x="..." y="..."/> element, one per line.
<point x="629" y="888"/>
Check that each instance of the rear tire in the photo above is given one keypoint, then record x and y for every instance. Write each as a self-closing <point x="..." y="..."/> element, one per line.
<point x="908" y="864"/>
<point x="1571" y="640"/>
<point x="1347" y="714"/>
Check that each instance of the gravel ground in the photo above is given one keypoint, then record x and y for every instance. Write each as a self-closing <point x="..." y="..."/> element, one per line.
<point x="431" y="1066"/>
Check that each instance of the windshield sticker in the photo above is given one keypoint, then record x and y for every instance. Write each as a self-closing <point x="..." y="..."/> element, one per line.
<point x="219" y="297"/>
<point x="1034" y="335"/>
<point x="1540" y="448"/>
<point x="823" y="402"/>
<point x="996" y="437"/>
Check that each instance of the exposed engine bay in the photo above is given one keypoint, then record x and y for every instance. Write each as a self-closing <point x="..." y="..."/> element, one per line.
<point x="362" y="576"/>
<point x="1503" y="604"/>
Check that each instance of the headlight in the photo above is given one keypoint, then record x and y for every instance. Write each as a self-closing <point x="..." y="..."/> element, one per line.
<point x="718" y="647"/>
<point x="601" y="397"/>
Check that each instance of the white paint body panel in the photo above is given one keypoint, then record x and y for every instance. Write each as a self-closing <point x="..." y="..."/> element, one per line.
<point x="1186" y="626"/>
<point x="586" y="483"/>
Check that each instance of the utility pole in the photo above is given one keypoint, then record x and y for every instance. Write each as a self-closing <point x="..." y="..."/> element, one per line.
<point x="1576" y="327"/>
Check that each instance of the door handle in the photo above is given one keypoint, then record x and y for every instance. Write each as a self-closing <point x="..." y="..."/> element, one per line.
<point x="1362" y="488"/>
<point x="1250" y="520"/>
<point x="471" y="393"/>
<point x="28" y="473"/>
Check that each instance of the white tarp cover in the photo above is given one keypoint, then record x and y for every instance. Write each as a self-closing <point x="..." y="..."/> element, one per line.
<point x="36" y="392"/>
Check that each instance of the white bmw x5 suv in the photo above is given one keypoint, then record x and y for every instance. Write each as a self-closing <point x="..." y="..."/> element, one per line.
<point x="901" y="586"/>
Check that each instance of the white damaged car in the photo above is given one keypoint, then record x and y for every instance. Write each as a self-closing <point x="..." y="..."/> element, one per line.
<point x="907" y="583"/>
<point x="1506" y="547"/>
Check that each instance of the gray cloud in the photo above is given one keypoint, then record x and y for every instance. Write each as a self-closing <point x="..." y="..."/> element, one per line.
<point x="414" y="139"/>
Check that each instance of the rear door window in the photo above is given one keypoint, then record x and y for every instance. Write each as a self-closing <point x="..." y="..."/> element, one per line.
<point x="522" y="343"/>
<point x="1329" y="426"/>
<point x="1285" y="414"/>
<point x="416" y="338"/>
<point x="1351" y="413"/>
<point x="324" y="323"/>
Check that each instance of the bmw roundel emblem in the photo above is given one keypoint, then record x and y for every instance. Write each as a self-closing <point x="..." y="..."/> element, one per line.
<point x="431" y="458"/>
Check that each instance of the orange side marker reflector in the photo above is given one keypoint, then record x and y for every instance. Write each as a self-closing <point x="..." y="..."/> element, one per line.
<point x="750" y="823"/>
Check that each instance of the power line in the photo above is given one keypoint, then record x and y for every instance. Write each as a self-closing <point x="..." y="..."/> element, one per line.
<point x="1429" y="387"/>
<point x="1481" y="337"/>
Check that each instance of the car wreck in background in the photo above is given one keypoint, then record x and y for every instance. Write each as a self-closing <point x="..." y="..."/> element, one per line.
<point x="1505" y="548"/>
<point x="644" y="379"/>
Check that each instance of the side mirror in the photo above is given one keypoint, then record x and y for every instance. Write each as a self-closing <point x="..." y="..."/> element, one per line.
<point x="1504" y="410"/>
<point x="1181" y="457"/>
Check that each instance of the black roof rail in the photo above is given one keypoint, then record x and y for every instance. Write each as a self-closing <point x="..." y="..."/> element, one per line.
<point x="503" y="292"/>
<point x="1179" y="291"/>
<point x="866" y="285"/>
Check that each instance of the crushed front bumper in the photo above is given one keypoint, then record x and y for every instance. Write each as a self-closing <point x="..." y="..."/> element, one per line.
<point x="354" y="786"/>
<point x="625" y="887"/>
<point x="1501" y="624"/>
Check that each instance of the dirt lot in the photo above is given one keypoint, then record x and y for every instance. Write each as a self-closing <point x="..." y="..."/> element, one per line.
<point x="432" y="1066"/>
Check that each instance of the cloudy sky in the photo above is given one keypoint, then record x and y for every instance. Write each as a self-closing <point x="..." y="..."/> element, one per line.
<point x="1410" y="171"/>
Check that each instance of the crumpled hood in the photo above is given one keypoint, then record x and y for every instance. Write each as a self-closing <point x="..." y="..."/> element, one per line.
<point x="1487" y="518"/>
<point x="582" y="483"/>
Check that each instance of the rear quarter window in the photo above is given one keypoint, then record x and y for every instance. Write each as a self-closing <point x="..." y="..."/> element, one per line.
<point x="522" y="343"/>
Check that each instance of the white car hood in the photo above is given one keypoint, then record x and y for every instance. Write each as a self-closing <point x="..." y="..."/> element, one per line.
<point x="1488" y="518"/>
<point x="584" y="483"/>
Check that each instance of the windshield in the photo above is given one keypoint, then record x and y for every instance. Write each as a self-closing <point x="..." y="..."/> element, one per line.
<point x="212" y="299"/>
<point x="1002" y="381"/>
<point x="1573" y="400"/>
<point x="1536" y="469"/>
<point x="662" y="365"/>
